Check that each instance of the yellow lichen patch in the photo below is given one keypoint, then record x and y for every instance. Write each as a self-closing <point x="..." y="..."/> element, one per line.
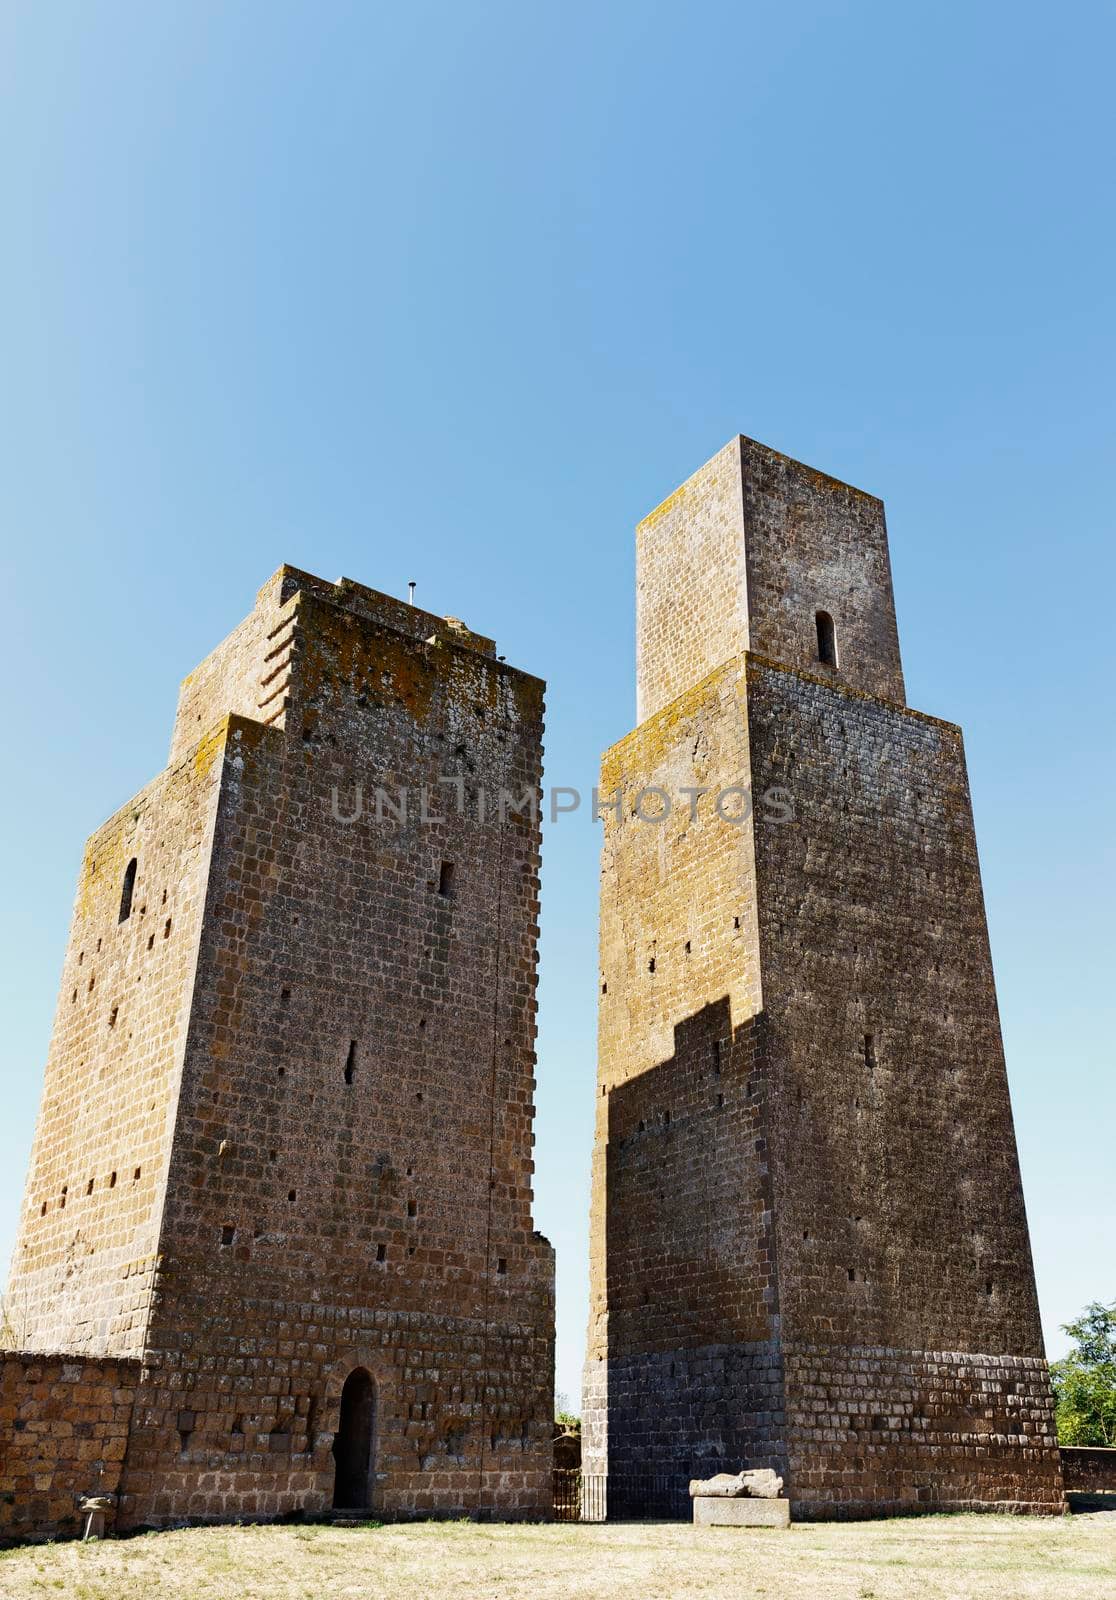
<point x="666" y="506"/>
<point x="701" y="480"/>
<point x="345" y="648"/>
<point x="656" y="738"/>
<point x="210" y="747"/>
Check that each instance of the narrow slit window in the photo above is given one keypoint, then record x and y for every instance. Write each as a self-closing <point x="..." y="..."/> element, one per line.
<point x="445" y="879"/>
<point x="827" y="639"/>
<point x="350" y="1063"/>
<point x="128" y="888"/>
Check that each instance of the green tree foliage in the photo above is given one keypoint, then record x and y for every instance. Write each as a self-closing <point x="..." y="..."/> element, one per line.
<point x="1085" y="1380"/>
<point x="563" y="1416"/>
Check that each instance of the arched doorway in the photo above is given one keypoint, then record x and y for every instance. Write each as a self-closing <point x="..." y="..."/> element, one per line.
<point x="353" y="1441"/>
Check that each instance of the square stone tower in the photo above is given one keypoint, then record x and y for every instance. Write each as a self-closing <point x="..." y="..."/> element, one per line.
<point x="809" y="1244"/>
<point x="284" y="1152"/>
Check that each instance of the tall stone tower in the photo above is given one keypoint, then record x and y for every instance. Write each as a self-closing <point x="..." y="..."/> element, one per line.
<point x="284" y="1155"/>
<point x="809" y="1245"/>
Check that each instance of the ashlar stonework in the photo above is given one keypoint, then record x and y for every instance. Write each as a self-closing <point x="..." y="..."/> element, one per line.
<point x="276" y="1250"/>
<point x="809" y="1245"/>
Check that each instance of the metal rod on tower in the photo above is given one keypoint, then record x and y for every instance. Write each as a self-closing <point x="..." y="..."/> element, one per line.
<point x="411" y="592"/>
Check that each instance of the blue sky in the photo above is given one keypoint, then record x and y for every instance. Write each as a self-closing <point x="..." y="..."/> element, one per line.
<point x="459" y="293"/>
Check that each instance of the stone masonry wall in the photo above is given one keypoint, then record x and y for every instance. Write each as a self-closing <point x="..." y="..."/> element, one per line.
<point x="64" y="1425"/>
<point x="855" y="1177"/>
<point x="742" y="557"/>
<point x="873" y="1431"/>
<point x="900" y="1205"/>
<point x="249" y="672"/>
<point x="900" y="1226"/>
<point x="814" y="544"/>
<point x="1090" y="1469"/>
<point x="691" y="586"/>
<point x="682" y="1273"/>
<point x="351" y="1179"/>
<point x="293" y="1136"/>
<point x="81" y="1275"/>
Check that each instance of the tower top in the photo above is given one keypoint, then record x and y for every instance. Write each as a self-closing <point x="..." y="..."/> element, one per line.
<point x="758" y="552"/>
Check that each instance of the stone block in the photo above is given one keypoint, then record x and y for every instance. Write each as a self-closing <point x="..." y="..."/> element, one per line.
<point x="717" y="1511"/>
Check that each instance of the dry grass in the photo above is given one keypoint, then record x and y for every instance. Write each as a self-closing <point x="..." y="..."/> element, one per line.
<point x="933" y="1558"/>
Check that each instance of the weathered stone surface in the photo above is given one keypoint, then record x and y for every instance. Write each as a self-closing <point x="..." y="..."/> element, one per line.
<point x="717" y="1511"/>
<point x="286" y="1127"/>
<point x="808" y="1247"/>
<point x="763" y="1485"/>
<point x="63" y="1432"/>
<point x="1090" y="1468"/>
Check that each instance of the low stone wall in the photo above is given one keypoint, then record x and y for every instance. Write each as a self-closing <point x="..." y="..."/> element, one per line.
<point x="63" y="1431"/>
<point x="1089" y="1468"/>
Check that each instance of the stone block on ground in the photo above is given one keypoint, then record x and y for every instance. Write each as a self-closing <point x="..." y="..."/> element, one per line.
<point x="719" y="1511"/>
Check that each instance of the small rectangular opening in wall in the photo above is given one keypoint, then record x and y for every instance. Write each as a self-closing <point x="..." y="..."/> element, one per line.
<point x="228" y="1233"/>
<point x="350" y="1062"/>
<point x="136" y="1175"/>
<point x="445" y="879"/>
<point x="381" y="1252"/>
<point x="186" y="1420"/>
<point x="412" y="1208"/>
<point x="869" y="1050"/>
<point x="89" y="1187"/>
<point x="501" y="1266"/>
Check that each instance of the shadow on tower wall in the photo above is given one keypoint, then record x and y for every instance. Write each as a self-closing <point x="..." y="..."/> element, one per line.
<point x="693" y="1370"/>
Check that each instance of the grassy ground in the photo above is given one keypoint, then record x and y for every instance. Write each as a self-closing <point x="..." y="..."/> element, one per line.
<point x="954" y="1558"/>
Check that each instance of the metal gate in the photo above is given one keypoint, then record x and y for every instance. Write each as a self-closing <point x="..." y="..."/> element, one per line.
<point x="620" y="1497"/>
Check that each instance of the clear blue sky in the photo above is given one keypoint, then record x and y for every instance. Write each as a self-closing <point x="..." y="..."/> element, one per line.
<point x="457" y="293"/>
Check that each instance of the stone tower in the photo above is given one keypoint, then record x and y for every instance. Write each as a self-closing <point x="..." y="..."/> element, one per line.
<point x="809" y="1245"/>
<point x="283" y="1161"/>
